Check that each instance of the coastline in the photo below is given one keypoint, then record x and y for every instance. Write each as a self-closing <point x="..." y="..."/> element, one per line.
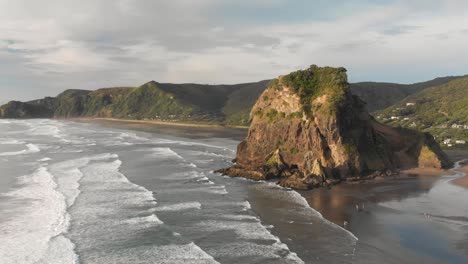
<point x="366" y="210"/>
<point x="425" y="172"/>
<point x="187" y="130"/>
<point x="157" y="122"/>
<point x="463" y="181"/>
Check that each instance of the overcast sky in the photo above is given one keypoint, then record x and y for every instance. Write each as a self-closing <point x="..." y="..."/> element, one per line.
<point x="47" y="46"/>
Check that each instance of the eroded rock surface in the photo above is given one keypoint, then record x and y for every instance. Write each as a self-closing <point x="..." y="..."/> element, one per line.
<point x="308" y="130"/>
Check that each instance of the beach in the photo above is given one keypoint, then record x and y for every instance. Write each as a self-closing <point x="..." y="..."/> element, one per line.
<point x="189" y="130"/>
<point x="144" y="191"/>
<point x="381" y="213"/>
<point x="464" y="180"/>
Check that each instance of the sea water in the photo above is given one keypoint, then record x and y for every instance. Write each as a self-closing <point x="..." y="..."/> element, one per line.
<point x="80" y="193"/>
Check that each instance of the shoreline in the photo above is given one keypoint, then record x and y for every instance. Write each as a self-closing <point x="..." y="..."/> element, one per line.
<point x="156" y="122"/>
<point x="462" y="181"/>
<point x="186" y="130"/>
<point x="425" y="172"/>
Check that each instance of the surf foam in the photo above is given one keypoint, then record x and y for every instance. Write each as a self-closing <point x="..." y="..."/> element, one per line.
<point x="36" y="226"/>
<point x="31" y="148"/>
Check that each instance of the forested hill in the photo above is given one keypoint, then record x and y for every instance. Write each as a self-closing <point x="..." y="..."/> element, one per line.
<point x="220" y="104"/>
<point x="441" y="110"/>
<point x="226" y="104"/>
<point x="380" y="95"/>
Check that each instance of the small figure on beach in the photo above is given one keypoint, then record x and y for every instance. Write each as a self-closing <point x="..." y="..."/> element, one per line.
<point x="427" y="216"/>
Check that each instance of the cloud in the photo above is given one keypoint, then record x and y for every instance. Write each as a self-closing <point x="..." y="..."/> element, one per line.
<point x="51" y="45"/>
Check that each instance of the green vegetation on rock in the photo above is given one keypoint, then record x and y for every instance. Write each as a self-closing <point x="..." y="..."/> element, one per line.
<point x="316" y="81"/>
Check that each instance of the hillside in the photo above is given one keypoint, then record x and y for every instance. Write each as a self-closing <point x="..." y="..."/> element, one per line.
<point x="226" y="104"/>
<point x="308" y="130"/>
<point x="441" y="110"/>
<point x="379" y="96"/>
<point x="220" y="104"/>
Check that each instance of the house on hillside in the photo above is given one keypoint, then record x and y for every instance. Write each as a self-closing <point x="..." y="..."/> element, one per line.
<point x="460" y="142"/>
<point x="447" y="141"/>
<point x="394" y="117"/>
<point x="410" y="104"/>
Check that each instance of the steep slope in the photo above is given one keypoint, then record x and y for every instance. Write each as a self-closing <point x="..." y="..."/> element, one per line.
<point x="229" y="104"/>
<point x="15" y="109"/>
<point x="71" y="103"/>
<point x="435" y="110"/>
<point x="309" y="130"/>
<point x="240" y="102"/>
<point x="221" y="104"/>
<point x="382" y="95"/>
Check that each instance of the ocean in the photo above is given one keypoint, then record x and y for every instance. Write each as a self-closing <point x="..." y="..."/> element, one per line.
<point x="81" y="193"/>
<point x="73" y="192"/>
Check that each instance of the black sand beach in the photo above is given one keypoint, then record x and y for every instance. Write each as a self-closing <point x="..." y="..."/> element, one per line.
<point x="414" y="218"/>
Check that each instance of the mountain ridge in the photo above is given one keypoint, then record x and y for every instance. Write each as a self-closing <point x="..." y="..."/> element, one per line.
<point x="221" y="104"/>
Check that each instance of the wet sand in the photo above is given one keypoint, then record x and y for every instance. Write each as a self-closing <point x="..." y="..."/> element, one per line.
<point x="425" y="172"/>
<point x="170" y="128"/>
<point x="463" y="181"/>
<point x="410" y="218"/>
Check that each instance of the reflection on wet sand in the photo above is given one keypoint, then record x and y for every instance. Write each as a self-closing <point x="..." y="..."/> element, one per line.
<point x="341" y="202"/>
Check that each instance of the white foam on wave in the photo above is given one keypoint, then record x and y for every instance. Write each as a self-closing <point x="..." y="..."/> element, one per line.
<point x="3" y="121"/>
<point x="31" y="148"/>
<point x="179" y="206"/>
<point x="38" y="225"/>
<point x="131" y="135"/>
<point x="165" y="152"/>
<point x="246" y="205"/>
<point x="109" y="210"/>
<point x="181" y="254"/>
<point x="212" y="189"/>
<point x="35" y="230"/>
<point x="186" y="175"/>
<point x="45" y="130"/>
<point x="218" y="189"/>
<point x="7" y="141"/>
<point x="240" y="217"/>
<point x="68" y="174"/>
<point x="252" y="231"/>
<point x="204" y="180"/>
<point x="187" y="143"/>
<point x="144" y="219"/>
<point x="212" y="154"/>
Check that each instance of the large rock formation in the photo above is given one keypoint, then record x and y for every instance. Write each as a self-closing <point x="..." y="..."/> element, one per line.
<point x="308" y="130"/>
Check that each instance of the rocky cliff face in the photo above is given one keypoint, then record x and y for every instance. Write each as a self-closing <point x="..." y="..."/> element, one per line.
<point x="308" y="130"/>
<point x="15" y="109"/>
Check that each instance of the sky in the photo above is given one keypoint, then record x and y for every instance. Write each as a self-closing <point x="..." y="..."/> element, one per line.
<point x="48" y="46"/>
